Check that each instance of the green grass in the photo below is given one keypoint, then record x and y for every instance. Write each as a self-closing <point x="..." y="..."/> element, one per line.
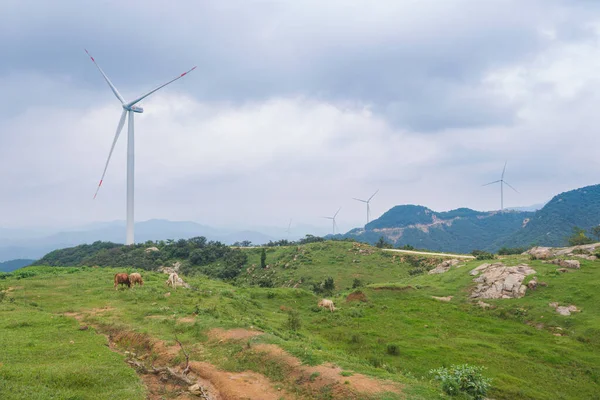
<point x="46" y="356"/>
<point x="400" y="333"/>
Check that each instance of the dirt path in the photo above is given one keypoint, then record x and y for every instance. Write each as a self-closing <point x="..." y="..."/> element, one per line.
<point x="154" y="360"/>
<point x="426" y="253"/>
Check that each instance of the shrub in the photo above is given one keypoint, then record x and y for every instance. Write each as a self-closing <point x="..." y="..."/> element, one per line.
<point x="393" y="349"/>
<point x="463" y="379"/>
<point x="293" y="322"/>
<point x="507" y="251"/>
<point x="416" y="271"/>
<point x="482" y="255"/>
<point x="579" y="237"/>
<point x="356" y="283"/>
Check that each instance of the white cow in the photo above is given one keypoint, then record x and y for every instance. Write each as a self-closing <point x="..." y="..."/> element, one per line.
<point x="327" y="304"/>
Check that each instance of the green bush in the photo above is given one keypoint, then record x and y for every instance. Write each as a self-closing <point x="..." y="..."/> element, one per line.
<point x="464" y="378"/>
<point x="482" y="255"/>
<point x="393" y="349"/>
<point x="356" y="283"/>
<point x="507" y="251"/>
<point x="293" y="322"/>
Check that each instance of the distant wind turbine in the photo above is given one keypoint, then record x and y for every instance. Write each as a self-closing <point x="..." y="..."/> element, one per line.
<point x="129" y="108"/>
<point x="288" y="230"/>
<point x="333" y="219"/>
<point x="502" y="183"/>
<point x="367" y="201"/>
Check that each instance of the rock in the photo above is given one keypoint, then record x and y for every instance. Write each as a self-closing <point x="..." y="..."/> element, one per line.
<point x="573" y="264"/>
<point x="477" y="270"/>
<point x="445" y="299"/>
<point x="540" y="253"/>
<point x="562" y="270"/>
<point x="544" y="284"/>
<point x="498" y="281"/>
<point x="444" y="266"/>
<point x="532" y="285"/>
<point x="167" y="294"/>
<point x="562" y="310"/>
<point x="196" y="389"/>
<point x="483" y="304"/>
<point x="84" y="328"/>
<point x="151" y="249"/>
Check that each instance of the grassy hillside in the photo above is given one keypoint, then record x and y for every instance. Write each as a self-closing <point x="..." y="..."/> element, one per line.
<point x="515" y="340"/>
<point x="551" y="225"/>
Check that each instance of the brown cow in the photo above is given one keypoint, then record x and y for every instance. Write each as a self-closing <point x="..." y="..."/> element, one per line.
<point x="136" y="278"/>
<point x="122" y="279"/>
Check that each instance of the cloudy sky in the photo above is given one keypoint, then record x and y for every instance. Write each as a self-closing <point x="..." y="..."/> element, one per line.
<point x="295" y="107"/>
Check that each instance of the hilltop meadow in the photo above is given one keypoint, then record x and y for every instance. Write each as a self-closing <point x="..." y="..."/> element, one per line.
<point x="66" y="333"/>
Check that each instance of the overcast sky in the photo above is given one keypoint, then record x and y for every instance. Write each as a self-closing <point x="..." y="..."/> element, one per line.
<point x="295" y="107"/>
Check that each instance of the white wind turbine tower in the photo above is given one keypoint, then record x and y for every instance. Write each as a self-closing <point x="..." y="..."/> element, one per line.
<point x="288" y="230"/>
<point x="502" y="183"/>
<point x="333" y="219"/>
<point x="367" y="201"/>
<point x="129" y="108"/>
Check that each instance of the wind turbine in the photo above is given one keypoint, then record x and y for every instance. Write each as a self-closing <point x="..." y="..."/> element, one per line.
<point x="288" y="229"/>
<point x="502" y="183"/>
<point x="367" y="201"/>
<point x="129" y="108"/>
<point x="333" y="219"/>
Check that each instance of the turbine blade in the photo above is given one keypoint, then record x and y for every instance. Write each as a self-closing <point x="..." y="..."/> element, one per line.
<point x="112" y="87"/>
<point x="364" y="201"/>
<point x="504" y="169"/>
<point x="373" y="195"/>
<point x="511" y="186"/>
<point x="491" y="183"/>
<point x="119" y="128"/>
<point x="335" y="215"/>
<point x="154" y="90"/>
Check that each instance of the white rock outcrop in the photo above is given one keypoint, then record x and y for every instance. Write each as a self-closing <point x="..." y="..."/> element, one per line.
<point x="444" y="266"/>
<point x="497" y="281"/>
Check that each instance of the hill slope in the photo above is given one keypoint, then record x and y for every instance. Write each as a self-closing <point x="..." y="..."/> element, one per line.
<point x="551" y="225"/>
<point x="393" y="330"/>
<point x="463" y="230"/>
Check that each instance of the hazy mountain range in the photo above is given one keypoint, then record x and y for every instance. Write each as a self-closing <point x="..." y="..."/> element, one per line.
<point x="33" y="244"/>
<point x="463" y="230"/>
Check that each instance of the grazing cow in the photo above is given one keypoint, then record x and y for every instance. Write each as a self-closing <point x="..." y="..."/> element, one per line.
<point x="136" y="278"/>
<point x="122" y="279"/>
<point x="327" y="304"/>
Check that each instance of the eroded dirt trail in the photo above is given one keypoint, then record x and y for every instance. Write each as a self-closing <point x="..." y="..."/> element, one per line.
<point x="155" y="362"/>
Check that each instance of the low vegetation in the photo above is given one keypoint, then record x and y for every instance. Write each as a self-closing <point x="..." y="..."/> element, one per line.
<point x="391" y="328"/>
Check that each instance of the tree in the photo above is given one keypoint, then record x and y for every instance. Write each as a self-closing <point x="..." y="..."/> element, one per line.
<point x="246" y="243"/>
<point x="579" y="237"/>
<point x="263" y="258"/>
<point x="383" y="244"/>
<point x="596" y="231"/>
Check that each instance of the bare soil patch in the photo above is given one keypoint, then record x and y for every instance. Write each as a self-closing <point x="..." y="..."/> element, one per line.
<point x="232" y="334"/>
<point x="356" y="296"/>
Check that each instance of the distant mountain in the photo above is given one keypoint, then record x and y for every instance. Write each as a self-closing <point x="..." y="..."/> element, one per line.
<point x="16" y="244"/>
<point x="551" y="225"/>
<point x="463" y="230"/>
<point x="9" y="266"/>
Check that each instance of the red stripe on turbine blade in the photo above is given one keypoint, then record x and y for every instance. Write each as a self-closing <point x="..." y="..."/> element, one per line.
<point x="100" y="184"/>
<point x="182" y="74"/>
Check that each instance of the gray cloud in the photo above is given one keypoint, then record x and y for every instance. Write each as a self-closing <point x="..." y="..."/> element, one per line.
<point x="296" y="106"/>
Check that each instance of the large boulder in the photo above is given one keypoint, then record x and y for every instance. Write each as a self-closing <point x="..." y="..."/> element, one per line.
<point x="573" y="264"/>
<point x="444" y="266"/>
<point x="540" y="253"/>
<point x="497" y="281"/>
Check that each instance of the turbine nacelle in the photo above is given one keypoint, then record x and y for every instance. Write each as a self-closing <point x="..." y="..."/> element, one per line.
<point x="135" y="109"/>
